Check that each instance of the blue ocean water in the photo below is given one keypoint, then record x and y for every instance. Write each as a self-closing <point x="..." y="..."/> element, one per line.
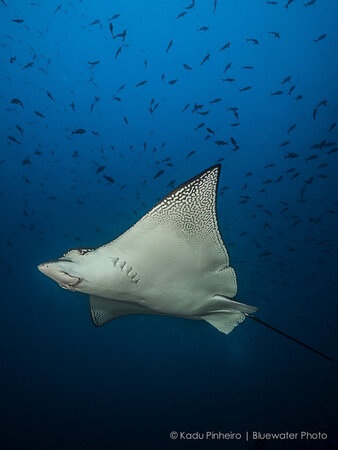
<point x="250" y="84"/>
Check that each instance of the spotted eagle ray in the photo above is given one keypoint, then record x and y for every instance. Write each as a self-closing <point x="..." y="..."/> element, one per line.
<point x="172" y="262"/>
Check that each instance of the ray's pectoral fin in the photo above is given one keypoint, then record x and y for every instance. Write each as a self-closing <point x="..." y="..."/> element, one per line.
<point x="230" y="314"/>
<point x="103" y="310"/>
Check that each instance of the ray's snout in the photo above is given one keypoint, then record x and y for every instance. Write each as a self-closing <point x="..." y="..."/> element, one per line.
<point x="43" y="267"/>
<point x="58" y="271"/>
<point x="48" y="269"/>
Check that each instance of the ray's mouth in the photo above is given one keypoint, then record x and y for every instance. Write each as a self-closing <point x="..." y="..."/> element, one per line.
<point x="72" y="283"/>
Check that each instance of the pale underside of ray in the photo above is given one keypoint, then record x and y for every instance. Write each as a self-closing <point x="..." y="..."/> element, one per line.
<point x="181" y="262"/>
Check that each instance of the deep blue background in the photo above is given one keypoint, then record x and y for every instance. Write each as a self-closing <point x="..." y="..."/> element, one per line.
<point x="68" y="385"/>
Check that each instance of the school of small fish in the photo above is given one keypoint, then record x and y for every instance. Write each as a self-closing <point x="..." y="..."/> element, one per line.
<point x="209" y="126"/>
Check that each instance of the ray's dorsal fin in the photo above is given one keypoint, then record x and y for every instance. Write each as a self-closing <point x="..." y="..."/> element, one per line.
<point x="190" y="210"/>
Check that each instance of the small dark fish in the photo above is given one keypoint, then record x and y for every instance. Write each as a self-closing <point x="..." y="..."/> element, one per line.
<point x="288" y="3"/>
<point x="121" y="35"/>
<point x="93" y="63"/>
<point x="39" y="114"/>
<point x="197" y="107"/>
<point x="96" y="22"/>
<point x="311" y="2"/>
<point x="248" y="67"/>
<point x="286" y="80"/>
<point x="13" y="139"/>
<point x="171" y="184"/>
<point x="192" y="5"/>
<point x="100" y="169"/>
<point x="125" y="120"/>
<point x="299" y="97"/>
<point x="254" y="41"/>
<point x="291" y="89"/>
<point x="190" y="154"/>
<point x="205" y="59"/>
<point x="172" y="82"/>
<point x="58" y="9"/>
<point x="221" y="143"/>
<point x="17" y="101"/>
<point x="50" y="96"/>
<point x="19" y="129"/>
<point x="115" y="16"/>
<point x="283" y="144"/>
<point x="12" y="59"/>
<point x="95" y="133"/>
<point x="291" y="155"/>
<point x="234" y="110"/>
<point x="169" y="46"/>
<point x="187" y="67"/>
<point x="121" y="87"/>
<point x="229" y="80"/>
<point x="111" y="29"/>
<point x="332" y="127"/>
<point x="269" y="165"/>
<point x="159" y="173"/>
<point x="119" y="50"/>
<point x="291" y="128"/>
<point x="109" y="179"/>
<point x="141" y="83"/>
<point x="227" y="67"/>
<point x="322" y="103"/>
<point x="26" y="162"/>
<point x="275" y="33"/>
<point x="332" y="151"/>
<point x="227" y="45"/>
<point x="277" y="93"/>
<point x="27" y="66"/>
<point x="79" y="131"/>
<point x="279" y="179"/>
<point x="311" y="157"/>
<point x="216" y="100"/>
<point x="200" y="126"/>
<point x="320" y="38"/>
<point x="181" y="14"/>
<point x="209" y="130"/>
<point x="17" y="20"/>
<point x="309" y="181"/>
<point x="116" y="98"/>
<point x="72" y="106"/>
<point x="246" y="88"/>
<point x="186" y="107"/>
